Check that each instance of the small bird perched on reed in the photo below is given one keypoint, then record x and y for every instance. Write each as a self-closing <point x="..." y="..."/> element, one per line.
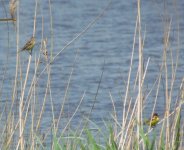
<point x="153" y="120"/>
<point x="29" y="45"/>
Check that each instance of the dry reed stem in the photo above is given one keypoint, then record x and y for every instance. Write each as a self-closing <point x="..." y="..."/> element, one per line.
<point x="51" y="30"/>
<point x="114" y="115"/>
<point x="128" y="83"/>
<point x="43" y="105"/>
<point x="139" y="104"/>
<point x="21" y="125"/>
<point x="121" y="145"/>
<point x="66" y="91"/>
<point x="167" y="100"/>
<point x="77" y="108"/>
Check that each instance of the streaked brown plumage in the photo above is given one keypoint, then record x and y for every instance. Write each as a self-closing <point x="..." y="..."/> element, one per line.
<point x="29" y="45"/>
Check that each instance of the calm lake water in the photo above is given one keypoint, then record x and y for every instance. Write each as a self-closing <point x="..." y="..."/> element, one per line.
<point x="110" y="39"/>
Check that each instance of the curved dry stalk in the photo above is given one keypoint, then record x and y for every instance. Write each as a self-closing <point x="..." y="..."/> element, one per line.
<point x="66" y="92"/>
<point x="128" y="80"/>
<point x="73" y="114"/>
<point x="43" y="105"/>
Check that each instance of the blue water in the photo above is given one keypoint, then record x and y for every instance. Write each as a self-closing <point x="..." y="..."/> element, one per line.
<point x="109" y="40"/>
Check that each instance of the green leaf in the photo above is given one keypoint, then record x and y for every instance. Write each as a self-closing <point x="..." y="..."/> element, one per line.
<point x="177" y="137"/>
<point x="91" y="142"/>
<point x="56" y="144"/>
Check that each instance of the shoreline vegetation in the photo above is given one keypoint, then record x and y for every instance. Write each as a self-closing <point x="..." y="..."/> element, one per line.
<point x="129" y="133"/>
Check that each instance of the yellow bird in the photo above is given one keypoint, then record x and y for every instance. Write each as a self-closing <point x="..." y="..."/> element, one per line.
<point x="153" y="120"/>
<point x="29" y="45"/>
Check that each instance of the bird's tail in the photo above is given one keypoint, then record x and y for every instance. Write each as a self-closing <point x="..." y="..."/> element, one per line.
<point x="146" y="122"/>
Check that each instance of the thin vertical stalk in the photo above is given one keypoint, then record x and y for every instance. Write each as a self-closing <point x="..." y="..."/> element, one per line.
<point x="16" y="74"/>
<point x="128" y="84"/>
<point x="139" y="104"/>
<point x="168" y="98"/>
<point x="51" y="30"/>
<point x="21" y="124"/>
<point x="33" y="115"/>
